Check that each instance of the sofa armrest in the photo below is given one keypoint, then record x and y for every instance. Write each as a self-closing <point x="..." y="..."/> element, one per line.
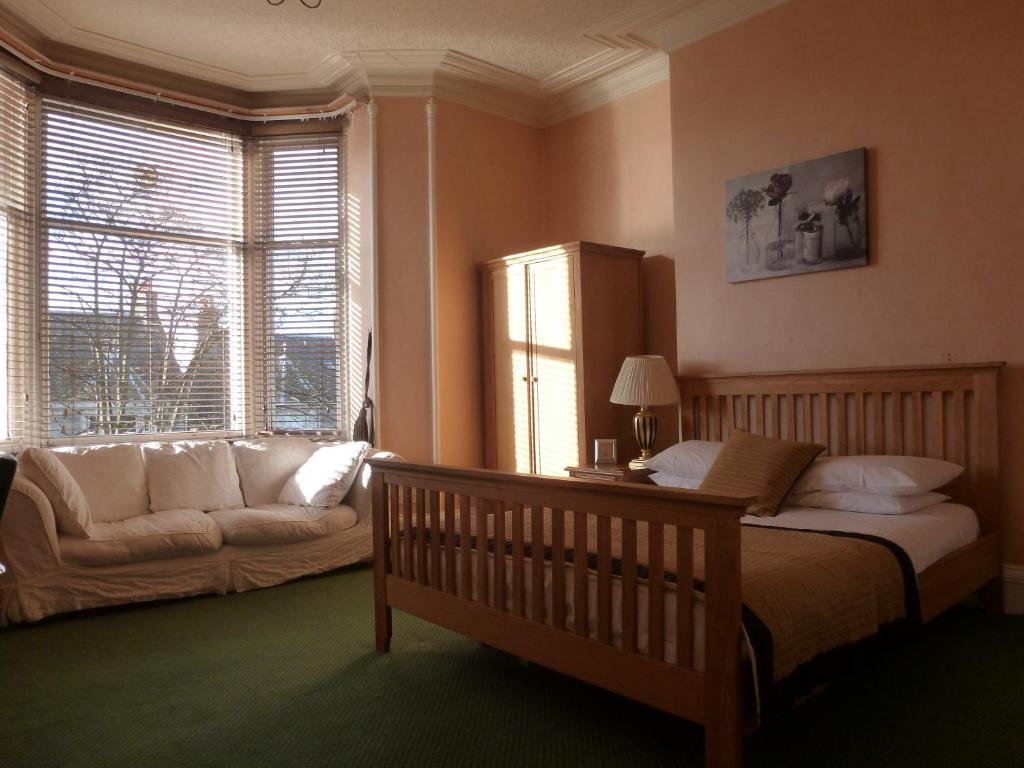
<point x="359" y="496"/>
<point x="28" y="532"/>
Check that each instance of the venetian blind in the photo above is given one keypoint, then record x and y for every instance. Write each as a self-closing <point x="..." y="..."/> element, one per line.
<point x="18" y="120"/>
<point x="300" y="282"/>
<point x="142" y="307"/>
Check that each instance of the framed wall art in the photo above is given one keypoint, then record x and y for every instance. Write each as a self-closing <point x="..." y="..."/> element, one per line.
<point x="804" y="217"/>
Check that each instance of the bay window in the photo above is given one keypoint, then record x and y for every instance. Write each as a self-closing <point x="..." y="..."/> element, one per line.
<point x="163" y="279"/>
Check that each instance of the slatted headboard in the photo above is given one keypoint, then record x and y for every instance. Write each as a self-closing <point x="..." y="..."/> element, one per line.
<point x="941" y="411"/>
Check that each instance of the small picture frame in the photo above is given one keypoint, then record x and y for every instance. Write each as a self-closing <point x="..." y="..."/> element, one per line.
<point x="606" y="451"/>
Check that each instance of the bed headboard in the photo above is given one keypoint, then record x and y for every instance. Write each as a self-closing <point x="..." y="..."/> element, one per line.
<point x="941" y="411"/>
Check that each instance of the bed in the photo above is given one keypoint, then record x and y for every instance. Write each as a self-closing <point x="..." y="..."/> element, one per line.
<point x="456" y="547"/>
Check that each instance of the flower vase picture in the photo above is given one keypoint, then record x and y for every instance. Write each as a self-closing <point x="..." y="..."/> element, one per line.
<point x="742" y="209"/>
<point x="777" y="190"/>
<point x="806" y="217"/>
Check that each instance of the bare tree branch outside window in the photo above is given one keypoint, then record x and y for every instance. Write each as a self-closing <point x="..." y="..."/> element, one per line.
<point x="143" y="237"/>
<point x="300" y="220"/>
<point x="137" y="298"/>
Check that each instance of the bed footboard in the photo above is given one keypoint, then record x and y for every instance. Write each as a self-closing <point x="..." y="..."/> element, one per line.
<point x="493" y="556"/>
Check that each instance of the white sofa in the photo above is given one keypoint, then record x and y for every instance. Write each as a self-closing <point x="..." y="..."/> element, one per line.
<point x="212" y="522"/>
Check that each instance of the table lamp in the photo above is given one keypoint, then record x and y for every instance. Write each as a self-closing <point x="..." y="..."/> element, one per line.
<point x="645" y="380"/>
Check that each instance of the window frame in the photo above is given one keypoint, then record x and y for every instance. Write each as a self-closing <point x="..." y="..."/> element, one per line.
<point x="253" y="415"/>
<point x="260" y="246"/>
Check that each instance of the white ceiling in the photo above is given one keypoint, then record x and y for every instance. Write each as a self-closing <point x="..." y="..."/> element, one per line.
<point x="251" y="44"/>
<point x="533" y="60"/>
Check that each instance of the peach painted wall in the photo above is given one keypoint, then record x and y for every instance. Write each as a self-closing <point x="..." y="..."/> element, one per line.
<point x="608" y="178"/>
<point x="488" y="205"/>
<point x="933" y="89"/>
<point x="404" y="341"/>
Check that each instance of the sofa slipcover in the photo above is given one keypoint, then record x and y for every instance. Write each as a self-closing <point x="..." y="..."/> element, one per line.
<point x="49" y="574"/>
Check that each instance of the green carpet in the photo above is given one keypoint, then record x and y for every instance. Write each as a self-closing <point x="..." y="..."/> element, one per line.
<point x="289" y="677"/>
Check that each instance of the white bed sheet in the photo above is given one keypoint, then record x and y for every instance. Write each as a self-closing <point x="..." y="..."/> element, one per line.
<point x="927" y="535"/>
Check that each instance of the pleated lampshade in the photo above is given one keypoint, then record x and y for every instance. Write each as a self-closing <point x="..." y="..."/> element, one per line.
<point x="645" y="380"/>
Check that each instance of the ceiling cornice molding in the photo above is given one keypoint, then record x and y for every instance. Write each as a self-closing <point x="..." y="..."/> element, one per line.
<point x="56" y="31"/>
<point x="688" y="21"/>
<point x="446" y="75"/>
<point x="635" y="42"/>
<point x="642" y="73"/>
<point x="333" y="105"/>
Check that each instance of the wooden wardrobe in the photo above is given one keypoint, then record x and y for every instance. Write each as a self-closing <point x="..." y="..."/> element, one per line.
<point x="557" y="324"/>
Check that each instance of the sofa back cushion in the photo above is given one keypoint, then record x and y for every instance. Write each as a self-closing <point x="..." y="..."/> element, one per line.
<point x="192" y="474"/>
<point x="112" y="477"/>
<point x="70" y="508"/>
<point x="265" y="465"/>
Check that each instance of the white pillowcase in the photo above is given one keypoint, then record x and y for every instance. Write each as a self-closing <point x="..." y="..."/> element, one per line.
<point x="325" y="478"/>
<point x="690" y="458"/>
<point x="265" y="465"/>
<point x="192" y="474"/>
<point x="674" y="481"/>
<point x="888" y="475"/>
<point x="870" y="503"/>
<point x="112" y="478"/>
<point x="70" y="508"/>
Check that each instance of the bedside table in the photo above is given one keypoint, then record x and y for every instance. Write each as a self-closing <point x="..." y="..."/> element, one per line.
<point x="620" y="473"/>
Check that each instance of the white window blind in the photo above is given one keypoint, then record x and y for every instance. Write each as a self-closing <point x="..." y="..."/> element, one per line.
<point x="18" y="121"/>
<point x="142" y="307"/>
<point x="301" y="285"/>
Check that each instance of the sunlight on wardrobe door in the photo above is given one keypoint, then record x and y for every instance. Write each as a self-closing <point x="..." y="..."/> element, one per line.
<point x="511" y="370"/>
<point x="556" y="436"/>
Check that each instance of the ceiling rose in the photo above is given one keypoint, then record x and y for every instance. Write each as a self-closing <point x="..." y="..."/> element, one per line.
<point x="307" y="3"/>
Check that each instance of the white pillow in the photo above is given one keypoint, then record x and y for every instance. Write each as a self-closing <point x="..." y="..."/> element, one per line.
<point x="888" y="475"/>
<point x="112" y="478"/>
<point x="192" y="475"/>
<point x="666" y="480"/>
<point x="871" y="503"/>
<point x="70" y="509"/>
<point x="691" y="458"/>
<point x="265" y="465"/>
<point x="324" y="480"/>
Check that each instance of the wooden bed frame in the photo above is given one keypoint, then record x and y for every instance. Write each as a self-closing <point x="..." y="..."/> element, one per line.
<point x="947" y="411"/>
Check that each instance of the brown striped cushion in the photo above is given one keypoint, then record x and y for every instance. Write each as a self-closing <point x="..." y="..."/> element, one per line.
<point x="759" y="466"/>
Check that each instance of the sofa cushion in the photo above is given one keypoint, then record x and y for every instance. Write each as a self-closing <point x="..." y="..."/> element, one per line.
<point x="192" y="474"/>
<point x="324" y="479"/>
<point x="281" y="523"/>
<point x="112" y="477"/>
<point x="170" y="533"/>
<point x="265" y="465"/>
<point x="70" y="507"/>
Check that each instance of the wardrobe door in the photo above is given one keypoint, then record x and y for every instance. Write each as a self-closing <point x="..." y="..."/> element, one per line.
<point x="513" y="422"/>
<point x="553" y="365"/>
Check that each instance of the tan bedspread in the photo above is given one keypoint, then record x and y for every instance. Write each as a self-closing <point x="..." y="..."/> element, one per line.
<point x="813" y="592"/>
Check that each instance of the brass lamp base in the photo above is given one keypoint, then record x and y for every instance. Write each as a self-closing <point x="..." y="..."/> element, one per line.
<point x="645" y="430"/>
